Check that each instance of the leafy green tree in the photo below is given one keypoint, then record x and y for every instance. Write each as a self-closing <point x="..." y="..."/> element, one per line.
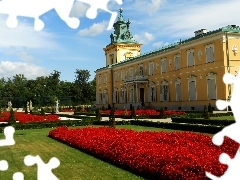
<point x="11" y="120"/>
<point x="210" y="110"/>
<point x="162" y="113"/>
<point x="133" y="113"/>
<point x="98" y="114"/>
<point x="206" y="113"/>
<point x="81" y="87"/>
<point x="112" y="118"/>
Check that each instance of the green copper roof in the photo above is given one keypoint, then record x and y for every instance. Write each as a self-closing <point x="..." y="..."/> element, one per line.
<point x="229" y="28"/>
<point x="122" y="32"/>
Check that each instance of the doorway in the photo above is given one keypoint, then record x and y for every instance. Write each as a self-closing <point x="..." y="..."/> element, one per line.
<point x="142" y="96"/>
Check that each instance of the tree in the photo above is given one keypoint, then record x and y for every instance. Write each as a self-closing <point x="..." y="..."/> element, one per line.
<point x="112" y="118"/>
<point x="162" y="113"/>
<point x="11" y="120"/>
<point x="210" y="110"/>
<point x="206" y="113"/>
<point x="81" y="87"/>
<point x="98" y="114"/>
<point x="133" y="113"/>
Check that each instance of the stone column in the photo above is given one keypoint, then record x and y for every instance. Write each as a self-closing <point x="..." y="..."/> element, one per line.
<point x="136" y="93"/>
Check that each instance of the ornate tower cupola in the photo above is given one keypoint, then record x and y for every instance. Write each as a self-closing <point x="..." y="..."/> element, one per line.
<point x="122" y="45"/>
<point x="122" y="32"/>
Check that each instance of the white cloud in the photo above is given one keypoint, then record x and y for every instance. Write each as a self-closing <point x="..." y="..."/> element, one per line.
<point x="24" y="35"/>
<point x="94" y="30"/>
<point x="30" y="71"/>
<point x="182" y="18"/>
<point x="143" y="38"/>
<point x="146" y="6"/>
<point x="79" y="9"/>
<point x="158" y="44"/>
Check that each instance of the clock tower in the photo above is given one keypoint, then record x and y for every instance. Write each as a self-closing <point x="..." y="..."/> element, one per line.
<point x="122" y="45"/>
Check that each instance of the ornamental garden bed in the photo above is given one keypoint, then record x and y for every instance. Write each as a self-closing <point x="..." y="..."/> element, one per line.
<point x="203" y="121"/>
<point x="153" y="155"/>
<point x="21" y="117"/>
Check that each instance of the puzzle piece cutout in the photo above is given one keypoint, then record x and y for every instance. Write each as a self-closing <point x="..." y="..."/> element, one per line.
<point x="100" y="4"/>
<point x="36" y="8"/>
<point x="44" y="170"/>
<point x="231" y="131"/>
<point x="8" y="133"/>
<point x="8" y="141"/>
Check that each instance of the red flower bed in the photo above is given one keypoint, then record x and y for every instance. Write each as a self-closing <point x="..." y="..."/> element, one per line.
<point x="154" y="155"/>
<point x="148" y="112"/>
<point x="67" y="110"/>
<point x="27" y="118"/>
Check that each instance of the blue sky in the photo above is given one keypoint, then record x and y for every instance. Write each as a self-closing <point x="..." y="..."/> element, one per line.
<point x="154" y="23"/>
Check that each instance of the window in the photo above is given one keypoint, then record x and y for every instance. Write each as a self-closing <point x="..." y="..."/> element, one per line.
<point x="105" y="97"/>
<point x="131" y="71"/>
<point x="115" y="76"/>
<point x="211" y="86"/>
<point x="163" y="65"/>
<point x="178" y="90"/>
<point x="177" y="62"/>
<point x="123" y="74"/>
<point x="131" y="94"/>
<point x="123" y="95"/>
<point x="151" y="68"/>
<point x="99" y="80"/>
<point x="209" y="53"/>
<point x="192" y="88"/>
<point x="115" y="96"/>
<point x="152" y="93"/>
<point x="190" y="58"/>
<point x="140" y="70"/>
<point x="164" y="91"/>
<point x="105" y="78"/>
<point x="99" y="97"/>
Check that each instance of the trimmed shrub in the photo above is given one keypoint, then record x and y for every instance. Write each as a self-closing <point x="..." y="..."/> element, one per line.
<point x="11" y="120"/>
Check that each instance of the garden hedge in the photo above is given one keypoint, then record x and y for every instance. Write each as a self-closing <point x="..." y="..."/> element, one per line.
<point x="203" y="121"/>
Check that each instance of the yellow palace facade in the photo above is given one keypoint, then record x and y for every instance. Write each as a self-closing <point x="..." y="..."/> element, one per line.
<point x="183" y="76"/>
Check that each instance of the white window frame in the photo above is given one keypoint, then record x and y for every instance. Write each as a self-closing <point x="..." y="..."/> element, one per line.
<point x="105" y="78"/>
<point x="131" y="94"/>
<point x="115" y="76"/>
<point x="131" y="72"/>
<point x="192" y="52"/>
<point x="123" y="95"/>
<point x="211" y="76"/>
<point x="100" y="97"/>
<point x="152" y="92"/>
<point x="178" y="94"/>
<point x="151" y="68"/>
<point x="99" y="79"/>
<point x="164" y="84"/>
<point x="115" y="95"/>
<point x="163" y="65"/>
<point x="122" y="74"/>
<point x="140" y="70"/>
<point x="192" y="78"/>
<point x="177" y="63"/>
<point x="209" y="46"/>
<point x="105" y="97"/>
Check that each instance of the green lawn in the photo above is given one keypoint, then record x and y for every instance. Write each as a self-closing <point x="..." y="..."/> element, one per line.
<point x="75" y="165"/>
<point x="221" y="118"/>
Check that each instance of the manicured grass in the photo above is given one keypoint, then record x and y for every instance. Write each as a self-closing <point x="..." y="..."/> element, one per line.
<point x="221" y="118"/>
<point x="224" y="118"/>
<point x="75" y="165"/>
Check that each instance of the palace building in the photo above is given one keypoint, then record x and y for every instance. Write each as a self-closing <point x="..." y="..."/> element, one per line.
<point x="183" y="76"/>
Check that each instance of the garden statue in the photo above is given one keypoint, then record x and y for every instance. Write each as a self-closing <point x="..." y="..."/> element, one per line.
<point x="9" y="105"/>
<point x="57" y="108"/>
<point x="30" y="106"/>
